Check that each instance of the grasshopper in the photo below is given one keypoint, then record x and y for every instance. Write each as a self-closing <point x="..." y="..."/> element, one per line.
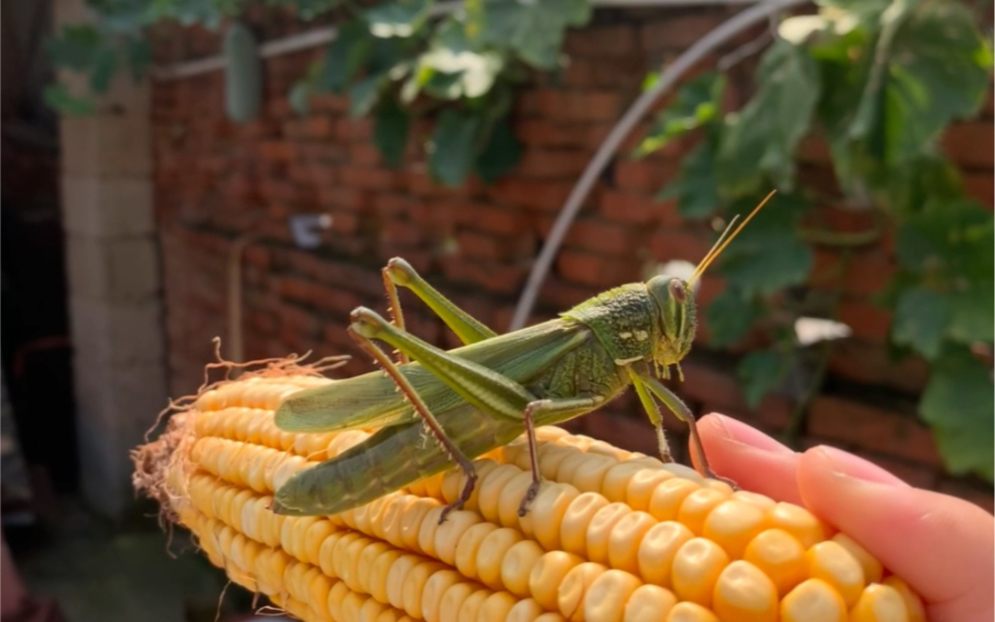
<point x="480" y="396"/>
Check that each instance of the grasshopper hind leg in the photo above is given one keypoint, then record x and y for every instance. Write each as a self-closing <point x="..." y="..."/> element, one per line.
<point x="431" y="423"/>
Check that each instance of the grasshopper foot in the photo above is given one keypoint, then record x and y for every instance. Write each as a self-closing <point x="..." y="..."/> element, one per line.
<point x="400" y="271"/>
<point x="471" y="482"/>
<point x="530" y="495"/>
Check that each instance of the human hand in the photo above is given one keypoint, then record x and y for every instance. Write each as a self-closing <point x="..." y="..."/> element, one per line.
<point x="942" y="546"/>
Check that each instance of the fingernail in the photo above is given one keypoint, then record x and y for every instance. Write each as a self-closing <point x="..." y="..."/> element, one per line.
<point x="844" y="464"/>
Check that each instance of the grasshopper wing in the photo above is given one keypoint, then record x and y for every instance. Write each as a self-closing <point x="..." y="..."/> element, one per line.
<point x="372" y="400"/>
<point x="389" y="460"/>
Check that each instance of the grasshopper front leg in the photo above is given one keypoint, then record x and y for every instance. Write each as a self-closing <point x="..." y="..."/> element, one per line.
<point x="482" y="387"/>
<point x="680" y="409"/>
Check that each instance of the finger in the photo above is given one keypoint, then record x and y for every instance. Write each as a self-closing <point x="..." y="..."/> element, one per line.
<point x="753" y="460"/>
<point x="942" y="546"/>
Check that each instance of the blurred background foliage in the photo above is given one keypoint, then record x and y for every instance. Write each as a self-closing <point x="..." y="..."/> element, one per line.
<point x="875" y="81"/>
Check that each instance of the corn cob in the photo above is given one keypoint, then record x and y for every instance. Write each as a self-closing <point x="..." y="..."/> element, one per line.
<point x="613" y="535"/>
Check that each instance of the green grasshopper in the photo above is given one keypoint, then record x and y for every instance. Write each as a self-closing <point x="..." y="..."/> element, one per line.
<point x="480" y="396"/>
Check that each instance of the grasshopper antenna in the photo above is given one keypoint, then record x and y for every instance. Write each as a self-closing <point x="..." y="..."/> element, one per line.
<point x="724" y="240"/>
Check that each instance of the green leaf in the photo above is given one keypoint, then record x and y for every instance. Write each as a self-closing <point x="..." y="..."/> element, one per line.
<point x="973" y="317"/>
<point x="730" y="317"/>
<point x="761" y="372"/>
<point x="105" y="64"/>
<point x="300" y="97"/>
<point x="533" y="30"/>
<point x="760" y="141"/>
<point x="936" y="69"/>
<point x="695" y="187"/>
<point x="921" y="319"/>
<point x="75" y="48"/>
<point x="500" y="154"/>
<point x="398" y="18"/>
<point x="344" y="57"/>
<point x="365" y="94"/>
<point x="957" y="403"/>
<point x="58" y="97"/>
<point x="452" y="68"/>
<point x="768" y="255"/>
<point x="390" y="131"/>
<point x="139" y="54"/>
<point x="452" y="146"/>
<point x="696" y="104"/>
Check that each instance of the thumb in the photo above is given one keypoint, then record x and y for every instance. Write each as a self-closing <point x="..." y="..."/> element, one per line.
<point x="942" y="546"/>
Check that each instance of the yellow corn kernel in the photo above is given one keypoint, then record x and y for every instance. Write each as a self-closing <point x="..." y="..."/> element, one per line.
<point x="744" y="593"/>
<point x="658" y="549"/>
<point x="879" y="603"/>
<point x="873" y="570"/>
<point x="733" y="524"/>
<point x="835" y="565"/>
<point x="648" y="603"/>
<point x="813" y="600"/>
<point x="780" y="556"/>
<point x="913" y="604"/>
<point x="691" y="612"/>
<point x="573" y="588"/>
<point x="697" y="566"/>
<point x="612" y="535"/>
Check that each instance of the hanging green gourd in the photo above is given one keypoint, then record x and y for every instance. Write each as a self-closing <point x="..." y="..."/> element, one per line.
<point x="243" y="78"/>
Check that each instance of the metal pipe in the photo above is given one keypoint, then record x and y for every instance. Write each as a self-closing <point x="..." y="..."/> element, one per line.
<point x="704" y="46"/>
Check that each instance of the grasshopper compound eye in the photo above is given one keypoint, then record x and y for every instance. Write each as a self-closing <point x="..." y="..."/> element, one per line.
<point x="677" y="290"/>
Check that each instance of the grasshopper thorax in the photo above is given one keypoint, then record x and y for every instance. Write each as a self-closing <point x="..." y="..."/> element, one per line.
<point x="677" y="319"/>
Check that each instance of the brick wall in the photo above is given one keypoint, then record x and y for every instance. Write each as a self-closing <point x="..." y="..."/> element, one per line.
<point x="215" y="181"/>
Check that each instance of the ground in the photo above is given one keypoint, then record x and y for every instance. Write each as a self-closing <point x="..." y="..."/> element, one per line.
<point x="99" y="572"/>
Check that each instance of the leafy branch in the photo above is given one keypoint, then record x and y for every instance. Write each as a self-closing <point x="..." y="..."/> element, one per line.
<point x="393" y="59"/>
<point x="878" y="82"/>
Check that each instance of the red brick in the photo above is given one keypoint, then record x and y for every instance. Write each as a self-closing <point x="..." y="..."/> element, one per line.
<point x="648" y="175"/>
<point x="866" y="272"/>
<point x="366" y="177"/>
<point x="556" y="133"/>
<point x="678" y="32"/>
<point x="495" y="247"/>
<point x="971" y="144"/>
<point x="354" y="129"/>
<point x="866" y="320"/>
<point x="329" y="102"/>
<point x="495" y="278"/>
<point x="981" y="187"/>
<point x="813" y="149"/>
<point x="581" y="105"/>
<point x="637" y="208"/>
<point x="560" y="295"/>
<point x="365" y="154"/>
<point x="493" y="218"/>
<point x="295" y="289"/>
<point x="704" y="383"/>
<point x="872" y="429"/>
<point x="344" y="198"/>
<point x="544" y="163"/>
<point x="324" y="153"/>
<point x="545" y="195"/>
<point x="594" y="270"/>
<point x="604" y="73"/>
<point x="870" y="363"/>
<point x="277" y="150"/>
<point x="297" y="320"/>
<point x="602" y="236"/>
<point x="670" y="244"/>
<point x="603" y="41"/>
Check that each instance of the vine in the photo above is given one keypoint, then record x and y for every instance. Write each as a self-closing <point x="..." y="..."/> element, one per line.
<point x="394" y="62"/>
<point x="878" y="81"/>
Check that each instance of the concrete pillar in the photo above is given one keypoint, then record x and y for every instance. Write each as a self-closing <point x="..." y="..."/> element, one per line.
<point x="114" y="282"/>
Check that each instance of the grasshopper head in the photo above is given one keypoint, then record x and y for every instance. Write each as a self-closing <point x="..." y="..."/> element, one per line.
<point x="675" y="299"/>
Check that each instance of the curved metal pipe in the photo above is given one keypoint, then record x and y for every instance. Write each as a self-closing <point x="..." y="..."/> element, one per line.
<point x="707" y="44"/>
